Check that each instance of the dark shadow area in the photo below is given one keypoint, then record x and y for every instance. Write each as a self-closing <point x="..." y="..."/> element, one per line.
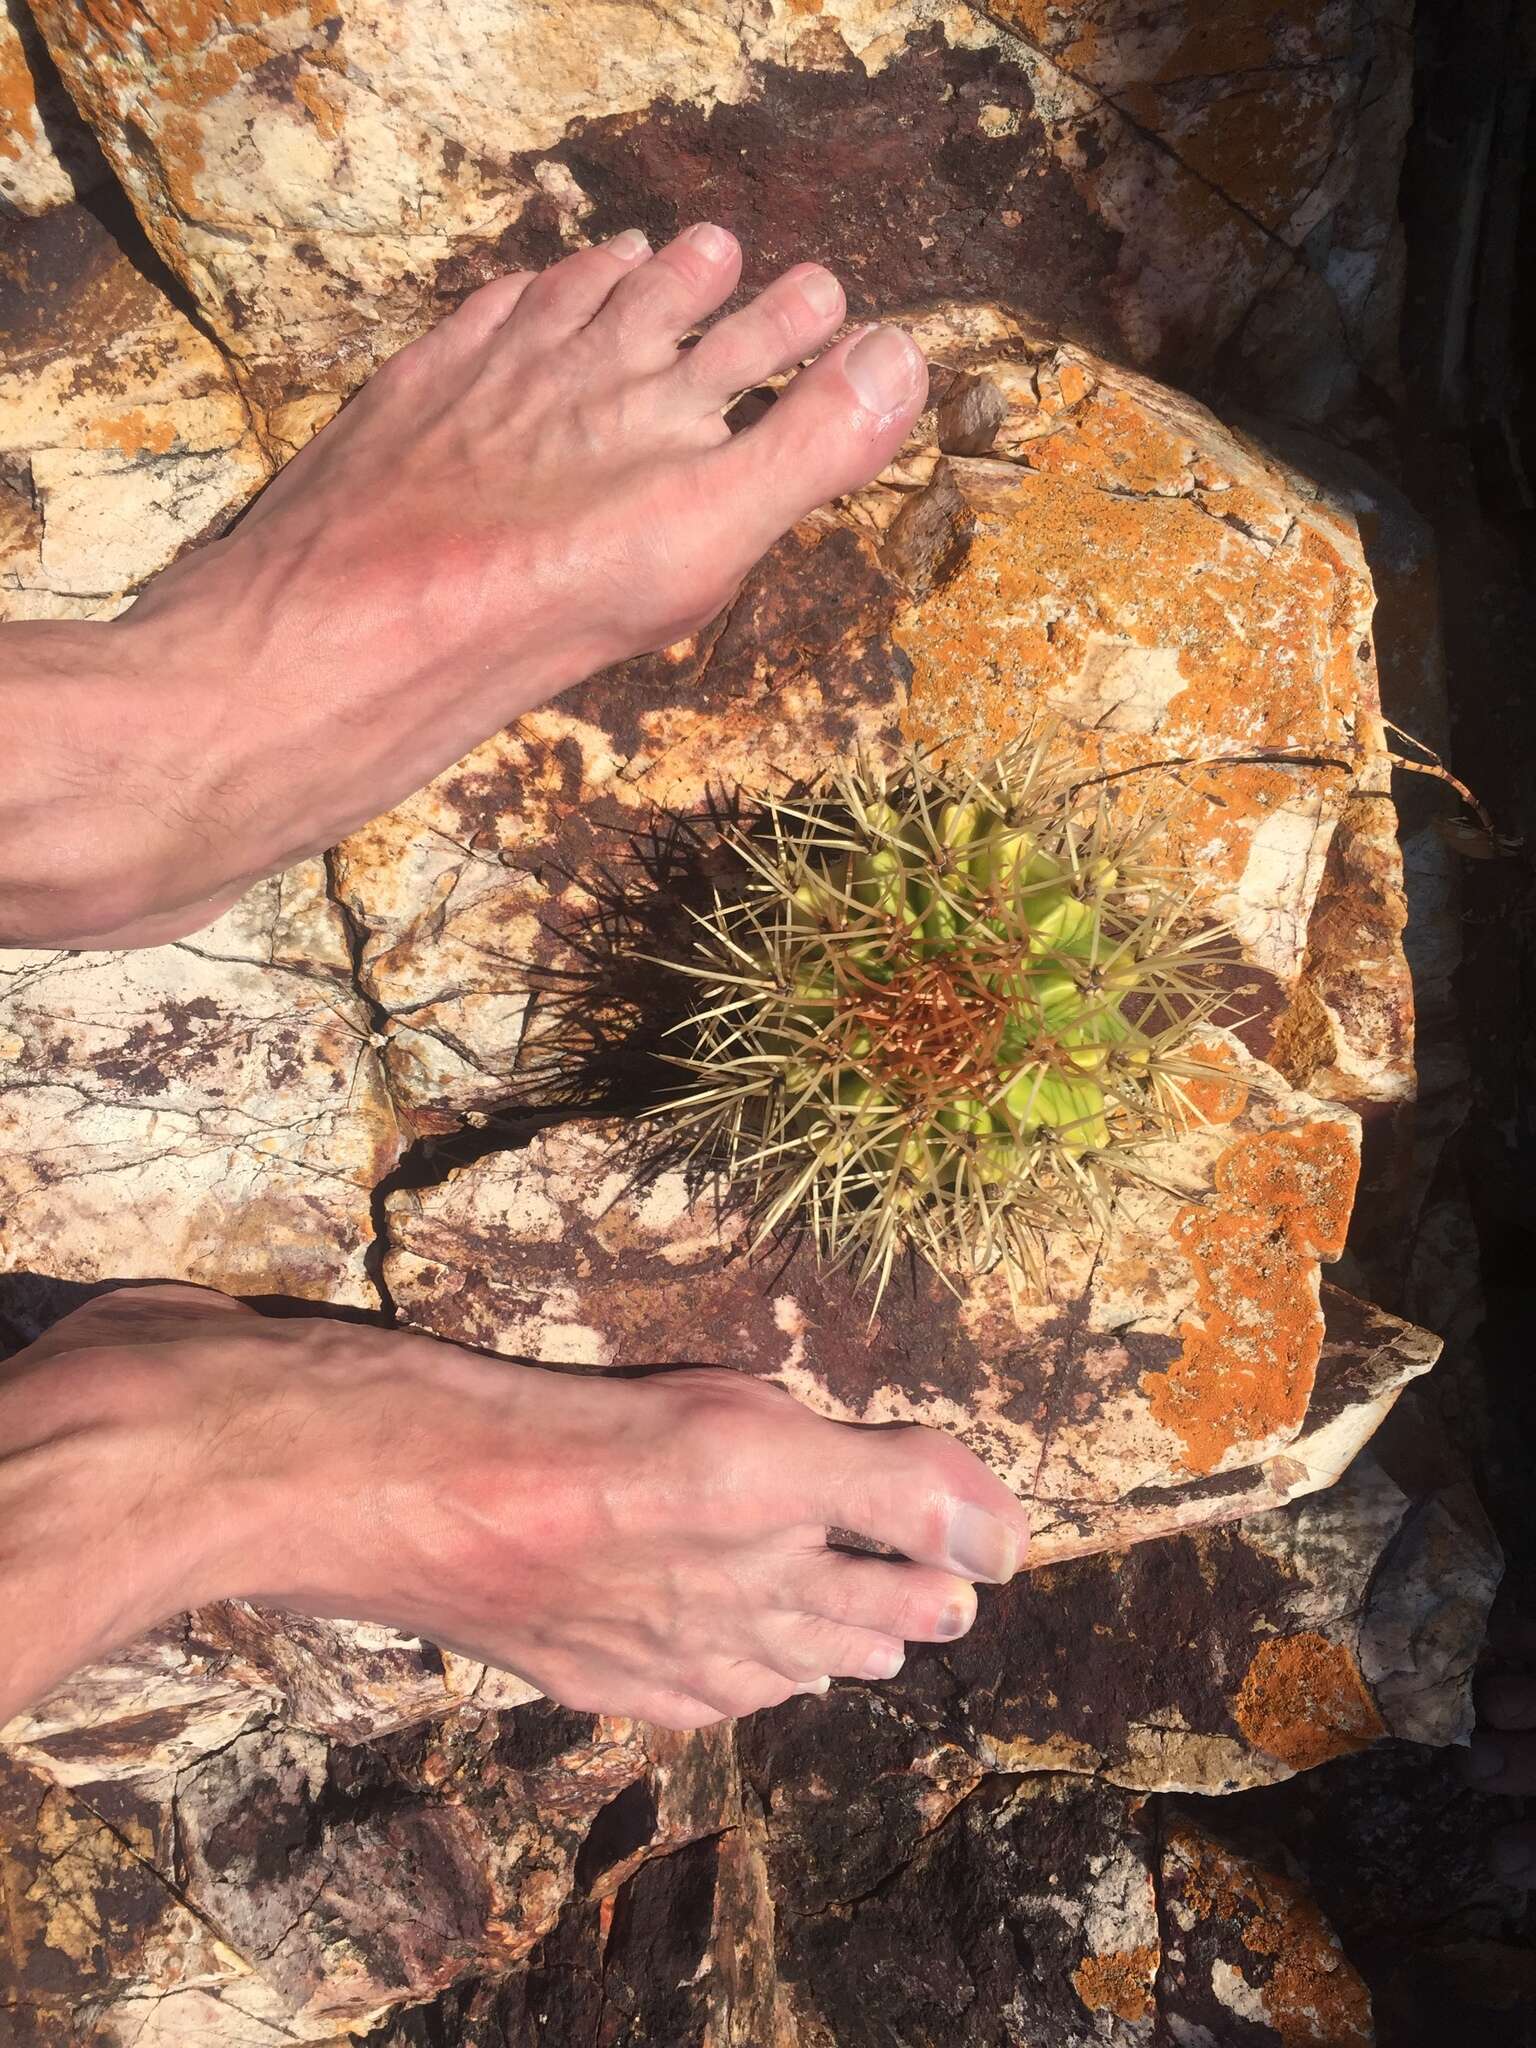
<point x="1393" y="1844"/>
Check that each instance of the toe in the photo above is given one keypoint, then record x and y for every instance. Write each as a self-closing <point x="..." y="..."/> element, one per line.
<point x="838" y="424"/>
<point x="566" y="297"/>
<point x="916" y="1491"/>
<point x="805" y="1646"/>
<point x="797" y="315"/>
<point x="486" y="310"/>
<point x="646" y="316"/>
<point x="904" y="1602"/>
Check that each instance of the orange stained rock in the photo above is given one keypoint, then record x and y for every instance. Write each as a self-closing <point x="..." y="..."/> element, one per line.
<point x="1065" y="573"/>
<point x="1120" y="1982"/>
<point x="133" y="434"/>
<point x="1214" y="1098"/>
<point x="19" y="125"/>
<point x="1116" y="442"/>
<point x="1312" y="1995"/>
<point x="1304" y="1700"/>
<point x="1281" y="1201"/>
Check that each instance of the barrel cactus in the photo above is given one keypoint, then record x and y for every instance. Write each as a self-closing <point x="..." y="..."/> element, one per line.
<point x="947" y="1012"/>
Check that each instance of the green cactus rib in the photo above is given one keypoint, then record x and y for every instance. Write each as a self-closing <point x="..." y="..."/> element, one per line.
<point x="947" y="1013"/>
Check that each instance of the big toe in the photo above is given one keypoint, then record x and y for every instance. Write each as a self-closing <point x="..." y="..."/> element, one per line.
<point x="836" y="426"/>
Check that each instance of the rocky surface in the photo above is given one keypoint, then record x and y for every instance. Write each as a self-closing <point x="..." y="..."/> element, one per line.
<point x="1057" y="539"/>
<point x="211" y="1111"/>
<point x="738" y="1897"/>
<point x="1185" y="1370"/>
<point x="48" y="157"/>
<point x="1209" y="196"/>
<point x="251" y="1826"/>
<point x="123" y="438"/>
<point x="333" y="1824"/>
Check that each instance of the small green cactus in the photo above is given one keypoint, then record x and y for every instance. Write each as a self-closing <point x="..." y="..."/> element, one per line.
<point x="945" y="1014"/>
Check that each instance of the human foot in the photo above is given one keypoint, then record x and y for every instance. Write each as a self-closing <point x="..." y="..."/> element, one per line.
<point x="653" y="1547"/>
<point x="542" y="485"/>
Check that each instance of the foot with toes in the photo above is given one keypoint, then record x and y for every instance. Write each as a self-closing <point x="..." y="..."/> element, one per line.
<point x="542" y="485"/>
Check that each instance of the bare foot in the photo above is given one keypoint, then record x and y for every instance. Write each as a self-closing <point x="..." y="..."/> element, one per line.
<point x="652" y="1547"/>
<point x="541" y="486"/>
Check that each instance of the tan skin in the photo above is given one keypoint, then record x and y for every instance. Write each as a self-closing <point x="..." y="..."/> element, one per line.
<point x="541" y="486"/>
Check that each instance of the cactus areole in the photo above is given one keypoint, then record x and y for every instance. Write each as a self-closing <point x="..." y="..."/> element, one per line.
<point x="947" y="1013"/>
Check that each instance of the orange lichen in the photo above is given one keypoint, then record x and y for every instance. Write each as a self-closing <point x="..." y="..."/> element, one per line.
<point x="1281" y="1200"/>
<point x="1312" y="1996"/>
<point x="132" y="434"/>
<point x="1214" y="1099"/>
<point x="1117" y="442"/>
<point x="1120" y="1982"/>
<point x="324" y="112"/>
<point x="1304" y="1700"/>
<point x="1099" y="584"/>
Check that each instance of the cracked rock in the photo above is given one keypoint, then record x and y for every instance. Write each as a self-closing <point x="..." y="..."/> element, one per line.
<point x="1201" y="199"/>
<point x="1160" y="1383"/>
<point x="123" y="438"/>
<point x="209" y="1111"/>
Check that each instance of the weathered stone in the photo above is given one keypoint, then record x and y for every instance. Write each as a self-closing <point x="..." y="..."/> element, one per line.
<point x="1178" y="1374"/>
<point x="123" y="438"/>
<point x="189" y="1689"/>
<point x="1249" y="1957"/>
<point x="1195" y="612"/>
<point x="1229" y="1657"/>
<point x="834" y="1875"/>
<point x="1210" y="197"/>
<point x="342" y="1881"/>
<point x="212" y="1110"/>
<point x="48" y="157"/>
<point x="1029" y="1910"/>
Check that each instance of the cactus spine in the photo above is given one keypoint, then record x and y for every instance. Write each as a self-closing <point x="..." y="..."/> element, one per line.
<point x="947" y="1013"/>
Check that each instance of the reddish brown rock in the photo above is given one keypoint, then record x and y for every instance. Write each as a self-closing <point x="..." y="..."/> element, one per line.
<point x="327" y="175"/>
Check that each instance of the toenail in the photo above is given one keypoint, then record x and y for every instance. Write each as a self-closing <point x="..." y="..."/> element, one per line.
<point x="710" y="241"/>
<point x="1484" y="1760"/>
<point x="884" y="1664"/>
<point x="816" y="1685"/>
<point x="882" y="367"/>
<point x="629" y="245"/>
<point x="821" y="292"/>
<point x="982" y="1546"/>
<point x="956" y="1619"/>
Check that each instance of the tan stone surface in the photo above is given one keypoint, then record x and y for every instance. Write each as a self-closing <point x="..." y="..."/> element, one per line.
<point x="48" y="157"/>
<point x="1058" y="538"/>
<point x="212" y="1111"/>
<point x="326" y="174"/>
<point x="122" y="436"/>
